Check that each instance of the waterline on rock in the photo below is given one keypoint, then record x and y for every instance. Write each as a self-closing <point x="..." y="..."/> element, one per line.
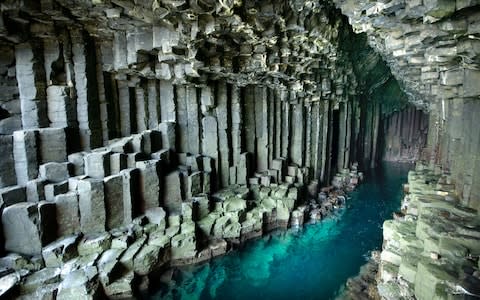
<point x="312" y="262"/>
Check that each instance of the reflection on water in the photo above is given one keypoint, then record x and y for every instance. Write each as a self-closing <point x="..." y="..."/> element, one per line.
<point x="309" y="263"/>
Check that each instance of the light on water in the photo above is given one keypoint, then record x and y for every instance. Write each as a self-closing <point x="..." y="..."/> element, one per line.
<point x="309" y="263"/>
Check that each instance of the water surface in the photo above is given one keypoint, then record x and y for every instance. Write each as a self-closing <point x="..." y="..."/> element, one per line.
<point x="309" y="263"/>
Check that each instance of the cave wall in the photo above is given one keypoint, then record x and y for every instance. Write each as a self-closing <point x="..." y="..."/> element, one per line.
<point x="405" y="135"/>
<point x="432" y="49"/>
<point x="123" y="108"/>
<point x="10" y="114"/>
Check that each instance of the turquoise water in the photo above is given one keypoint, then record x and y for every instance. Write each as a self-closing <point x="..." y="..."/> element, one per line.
<point x="309" y="263"/>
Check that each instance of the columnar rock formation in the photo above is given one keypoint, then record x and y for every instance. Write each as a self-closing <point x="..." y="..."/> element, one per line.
<point x="156" y="129"/>
<point x="431" y="249"/>
<point x="139" y="91"/>
<point x="432" y="49"/>
<point x="405" y="135"/>
<point x="153" y="131"/>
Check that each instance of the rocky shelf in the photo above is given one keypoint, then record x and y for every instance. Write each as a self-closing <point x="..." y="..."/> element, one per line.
<point x="117" y="262"/>
<point x="431" y="249"/>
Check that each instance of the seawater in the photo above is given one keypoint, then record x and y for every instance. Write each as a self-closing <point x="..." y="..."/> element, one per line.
<point x="313" y="262"/>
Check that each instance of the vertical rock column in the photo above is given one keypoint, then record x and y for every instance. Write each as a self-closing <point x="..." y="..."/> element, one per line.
<point x="182" y="118"/>
<point x="224" y="123"/>
<point x="210" y="139"/>
<point x="324" y="142"/>
<point x="249" y="119"/>
<point x="193" y="122"/>
<point x="31" y="85"/>
<point x="261" y="132"/>
<point x="315" y="139"/>
<point x="25" y="155"/>
<point x="153" y="104"/>
<point x="277" y="149"/>
<point x="298" y="132"/>
<point x="141" y="115"/>
<point x="342" y="133"/>
<point x="124" y="107"/>
<point x="101" y="90"/>
<point x="167" y="101"/>
<point x="61" y="108"/>
<point x="84" y="59"/>
<point x="7" y="163"/>
<point x="285" y="127"/>
<point x="236" y="132"/>
<point x="92" y="205"/>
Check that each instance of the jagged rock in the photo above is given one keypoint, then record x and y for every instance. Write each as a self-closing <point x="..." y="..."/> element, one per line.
<point x="156" y="216"/>
<point x="60" y="251"/>
<point x="40" y="278"/>
<point x="129" y="254"/>
<point x="149" y="258"/>
<point x="183" y="246"/>
<point x="94" y="244"/>
<point x="80" y="284"/>
<point x="109" y="266"/>
<point x="18" y="262"/>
